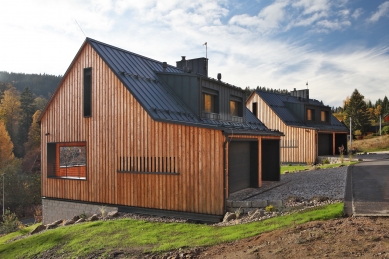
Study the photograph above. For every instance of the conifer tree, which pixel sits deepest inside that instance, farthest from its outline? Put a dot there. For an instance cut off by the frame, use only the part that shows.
(34, 134)
(356, 108)
(27, 109)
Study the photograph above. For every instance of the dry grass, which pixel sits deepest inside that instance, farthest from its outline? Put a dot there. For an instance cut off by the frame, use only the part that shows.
(377, 143)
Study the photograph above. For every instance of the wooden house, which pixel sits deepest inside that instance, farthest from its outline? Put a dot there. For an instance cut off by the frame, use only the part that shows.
(310, 128)
(131, 132)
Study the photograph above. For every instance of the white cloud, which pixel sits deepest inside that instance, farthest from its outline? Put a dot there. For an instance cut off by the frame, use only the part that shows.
(334, 25)
(312, 6)
(267, 19)
(383, 10)
(358, 12)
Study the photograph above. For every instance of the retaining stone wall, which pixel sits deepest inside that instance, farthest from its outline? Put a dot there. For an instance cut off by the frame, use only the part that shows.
(247, 206)
(53, 210)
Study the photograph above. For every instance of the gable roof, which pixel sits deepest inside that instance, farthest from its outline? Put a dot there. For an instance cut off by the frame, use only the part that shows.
(139, 75)
(278, 103)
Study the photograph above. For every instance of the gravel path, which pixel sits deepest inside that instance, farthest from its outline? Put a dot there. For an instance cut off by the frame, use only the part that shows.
(330, 183)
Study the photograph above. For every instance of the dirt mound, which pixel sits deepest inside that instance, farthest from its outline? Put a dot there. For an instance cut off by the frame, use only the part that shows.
(340, 238)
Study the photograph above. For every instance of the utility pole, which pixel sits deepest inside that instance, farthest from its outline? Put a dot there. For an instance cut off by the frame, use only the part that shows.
(380, 125)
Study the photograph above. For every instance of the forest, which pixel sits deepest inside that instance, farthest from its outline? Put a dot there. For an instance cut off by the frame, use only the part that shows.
(22, 98)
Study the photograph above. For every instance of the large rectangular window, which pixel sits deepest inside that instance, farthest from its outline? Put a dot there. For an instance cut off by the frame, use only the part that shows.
(66, 160)
(87, 92)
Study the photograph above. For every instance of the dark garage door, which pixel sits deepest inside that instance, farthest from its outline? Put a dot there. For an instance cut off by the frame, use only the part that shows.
(242, 165)
(270, 160)
(325, 144)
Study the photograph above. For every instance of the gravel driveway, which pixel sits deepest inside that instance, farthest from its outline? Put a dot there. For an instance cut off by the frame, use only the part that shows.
(330, 183)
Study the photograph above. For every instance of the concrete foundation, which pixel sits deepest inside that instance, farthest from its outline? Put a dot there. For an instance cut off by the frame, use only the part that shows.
(53, 209)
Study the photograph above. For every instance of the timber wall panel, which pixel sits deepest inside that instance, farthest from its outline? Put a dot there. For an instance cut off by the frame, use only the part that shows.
(119, 127)
(306, 150)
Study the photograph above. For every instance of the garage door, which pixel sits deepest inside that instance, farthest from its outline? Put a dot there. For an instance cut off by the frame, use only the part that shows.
(238, 165)
(325, 144)
(242, 165)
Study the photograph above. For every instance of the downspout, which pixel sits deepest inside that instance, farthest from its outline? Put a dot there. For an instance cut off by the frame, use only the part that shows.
(225, 171)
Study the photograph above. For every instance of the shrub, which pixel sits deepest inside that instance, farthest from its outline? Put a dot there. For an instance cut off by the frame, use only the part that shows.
(385, 130)
(103, 210)
(10, 222)
(238, 212)
(326, 161)
(83, 215)
(269, 208)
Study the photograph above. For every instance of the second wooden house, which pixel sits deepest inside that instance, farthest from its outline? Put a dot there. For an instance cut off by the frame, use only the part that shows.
(310, 128)
(129, 132)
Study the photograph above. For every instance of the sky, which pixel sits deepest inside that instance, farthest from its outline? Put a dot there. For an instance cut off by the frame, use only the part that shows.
(335, 46)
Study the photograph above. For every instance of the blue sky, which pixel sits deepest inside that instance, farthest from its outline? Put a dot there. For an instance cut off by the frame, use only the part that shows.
(337, 46)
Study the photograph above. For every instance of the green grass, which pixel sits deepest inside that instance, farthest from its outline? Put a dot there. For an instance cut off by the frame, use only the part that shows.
(297, 168)
(83, 239)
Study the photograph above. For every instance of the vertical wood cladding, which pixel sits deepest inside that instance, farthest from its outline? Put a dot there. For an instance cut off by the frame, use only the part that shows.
(298, 144)
(120, 128)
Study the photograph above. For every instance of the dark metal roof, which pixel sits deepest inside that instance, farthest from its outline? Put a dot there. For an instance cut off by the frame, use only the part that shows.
(139, 75)
(278, 103)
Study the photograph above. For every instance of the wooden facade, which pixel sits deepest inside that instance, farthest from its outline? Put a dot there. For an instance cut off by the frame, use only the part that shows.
(300, 144)
(132, 160)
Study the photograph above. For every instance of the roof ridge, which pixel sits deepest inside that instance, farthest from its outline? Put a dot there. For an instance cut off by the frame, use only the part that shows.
(129, 52)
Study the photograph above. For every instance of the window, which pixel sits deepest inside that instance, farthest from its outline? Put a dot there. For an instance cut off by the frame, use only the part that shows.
(209, 103)
(310, 114)
(324, 116)
(66, 160)
(255, 109)
(236, 106)
(87, 92)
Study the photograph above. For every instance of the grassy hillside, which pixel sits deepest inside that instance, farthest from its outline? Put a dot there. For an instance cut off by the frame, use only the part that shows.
(134, 235)
(370, 144)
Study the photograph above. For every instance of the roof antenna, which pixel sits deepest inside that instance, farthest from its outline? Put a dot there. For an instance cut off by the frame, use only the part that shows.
(206, 56)
(307, 84)
(80, 29)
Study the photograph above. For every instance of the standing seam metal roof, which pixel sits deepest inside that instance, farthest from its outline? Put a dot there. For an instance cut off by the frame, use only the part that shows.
(139, 75)
(278, 104)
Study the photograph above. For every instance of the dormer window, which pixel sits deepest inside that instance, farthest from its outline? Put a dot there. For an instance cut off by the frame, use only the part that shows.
(210, 101)
(210, 104)
(236, 106)
(324, 116)
(310, 115)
